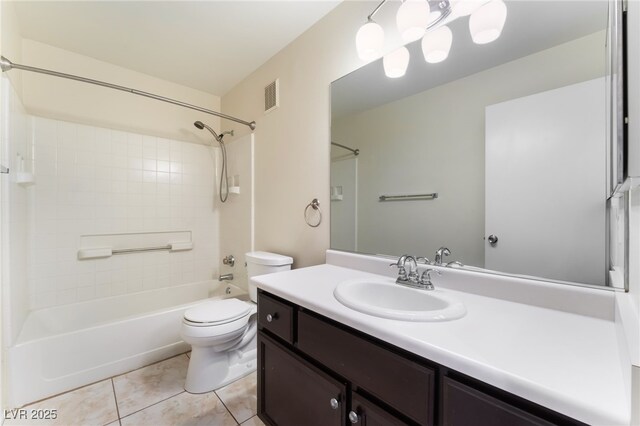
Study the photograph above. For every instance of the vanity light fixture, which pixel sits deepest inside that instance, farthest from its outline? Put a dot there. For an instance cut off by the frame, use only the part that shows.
(370, 41)
(412, 19)
(467, 7)
(486, 23)
(396, 63)
(427, 19)
(436, 44)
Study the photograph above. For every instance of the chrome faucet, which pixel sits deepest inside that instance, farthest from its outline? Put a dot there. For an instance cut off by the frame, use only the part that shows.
(225, 277)
(403, 277)
(425, 279)
(440, 253)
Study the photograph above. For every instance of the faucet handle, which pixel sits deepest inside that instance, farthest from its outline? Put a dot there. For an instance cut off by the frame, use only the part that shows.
(454, 263)
(402, 273)
(425, 278)
(423, 259)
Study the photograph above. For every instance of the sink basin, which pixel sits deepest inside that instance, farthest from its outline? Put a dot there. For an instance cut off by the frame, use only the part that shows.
(386, 299)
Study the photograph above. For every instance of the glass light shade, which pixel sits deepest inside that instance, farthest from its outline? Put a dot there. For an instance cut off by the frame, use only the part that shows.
(412, 19)
(396, 62)
(486, 23)
(370, 41)
(436, 44)
(466, 7)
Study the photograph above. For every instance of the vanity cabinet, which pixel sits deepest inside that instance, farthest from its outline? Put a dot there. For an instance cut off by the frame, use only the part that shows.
(293, 392)
(316, 371)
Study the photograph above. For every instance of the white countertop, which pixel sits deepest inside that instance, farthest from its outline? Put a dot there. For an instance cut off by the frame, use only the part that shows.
(564, 361)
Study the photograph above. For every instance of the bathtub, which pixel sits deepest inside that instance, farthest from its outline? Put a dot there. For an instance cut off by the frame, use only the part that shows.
(66, 347)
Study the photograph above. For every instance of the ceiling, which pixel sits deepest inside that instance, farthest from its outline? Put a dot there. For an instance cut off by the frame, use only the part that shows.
(531, 26)
(206, 45)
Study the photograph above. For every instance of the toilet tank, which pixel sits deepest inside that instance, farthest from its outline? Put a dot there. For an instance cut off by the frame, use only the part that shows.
(261, 263)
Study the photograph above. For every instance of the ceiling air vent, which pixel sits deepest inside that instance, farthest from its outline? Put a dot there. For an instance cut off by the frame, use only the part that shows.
(271, 96)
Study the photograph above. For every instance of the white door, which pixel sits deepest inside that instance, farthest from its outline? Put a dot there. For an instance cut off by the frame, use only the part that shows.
(545, 184)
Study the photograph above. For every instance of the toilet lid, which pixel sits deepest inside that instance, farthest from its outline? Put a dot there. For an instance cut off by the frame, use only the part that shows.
(217, 311)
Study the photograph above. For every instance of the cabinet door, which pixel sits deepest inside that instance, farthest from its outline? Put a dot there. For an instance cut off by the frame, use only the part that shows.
(291, 392)
(404, 385)
(465, 406)
(366, 413)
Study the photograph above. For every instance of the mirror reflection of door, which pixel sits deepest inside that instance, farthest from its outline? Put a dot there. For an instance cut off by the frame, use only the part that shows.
(544, 162)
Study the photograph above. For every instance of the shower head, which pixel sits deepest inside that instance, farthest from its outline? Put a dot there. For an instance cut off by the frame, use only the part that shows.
(224, 179)
(200, 125)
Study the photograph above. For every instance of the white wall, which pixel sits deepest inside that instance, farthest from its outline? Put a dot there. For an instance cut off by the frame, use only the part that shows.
(292, 142)
(91, 180)
(434, 142)
(69, 100)
(236, 214)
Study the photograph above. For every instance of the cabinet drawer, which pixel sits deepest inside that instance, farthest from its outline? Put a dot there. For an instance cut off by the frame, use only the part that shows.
(275, 316)
(293, 392)
(466, 406)
(370, 414)
(405, 385)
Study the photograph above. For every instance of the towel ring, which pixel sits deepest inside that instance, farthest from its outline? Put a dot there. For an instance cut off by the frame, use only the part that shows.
(315, 205)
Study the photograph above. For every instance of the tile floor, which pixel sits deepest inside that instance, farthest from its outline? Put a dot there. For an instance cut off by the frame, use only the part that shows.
(154, 396)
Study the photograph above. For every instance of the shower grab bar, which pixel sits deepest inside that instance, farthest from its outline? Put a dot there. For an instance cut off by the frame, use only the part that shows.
(6, 65)
(96, 253)
(431, 196)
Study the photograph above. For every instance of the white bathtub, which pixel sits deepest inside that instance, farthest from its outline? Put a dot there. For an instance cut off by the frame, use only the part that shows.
(65, 347)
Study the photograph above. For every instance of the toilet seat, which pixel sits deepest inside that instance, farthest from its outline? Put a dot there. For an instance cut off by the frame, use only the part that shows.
(216, 312)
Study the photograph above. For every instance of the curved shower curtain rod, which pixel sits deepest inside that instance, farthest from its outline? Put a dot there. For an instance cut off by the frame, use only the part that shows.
(355, 151)
(7, 65)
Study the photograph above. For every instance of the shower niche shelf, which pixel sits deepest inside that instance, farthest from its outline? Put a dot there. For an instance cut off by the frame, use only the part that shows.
(25, 178)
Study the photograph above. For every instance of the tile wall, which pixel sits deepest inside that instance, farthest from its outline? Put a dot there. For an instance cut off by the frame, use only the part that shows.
(91, 180)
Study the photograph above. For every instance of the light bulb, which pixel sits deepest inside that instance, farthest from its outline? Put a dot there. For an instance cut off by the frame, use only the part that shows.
(396, 62)
(370, 41)
(486, 23)
(412, 19)
(436, 44)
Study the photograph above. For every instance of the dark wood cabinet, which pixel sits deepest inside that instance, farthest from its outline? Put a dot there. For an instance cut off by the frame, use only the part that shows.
(405, 385)
(315, 371)
(465, 406)
(293, 392)
(366, 413)
(276, 316)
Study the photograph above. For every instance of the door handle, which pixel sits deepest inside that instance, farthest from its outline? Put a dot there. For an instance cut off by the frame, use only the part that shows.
(493, 240)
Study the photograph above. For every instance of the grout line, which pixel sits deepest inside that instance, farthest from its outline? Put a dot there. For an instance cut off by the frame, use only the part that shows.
(115, 397)
(225, 406)
(155, 403)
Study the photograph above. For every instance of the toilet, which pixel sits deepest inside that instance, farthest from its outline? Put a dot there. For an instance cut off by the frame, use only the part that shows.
(222, 333)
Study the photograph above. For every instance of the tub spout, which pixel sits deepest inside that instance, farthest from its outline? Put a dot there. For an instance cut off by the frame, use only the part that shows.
(225, 277)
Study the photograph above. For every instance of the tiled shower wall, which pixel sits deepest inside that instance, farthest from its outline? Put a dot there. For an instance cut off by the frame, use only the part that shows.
(91, 180)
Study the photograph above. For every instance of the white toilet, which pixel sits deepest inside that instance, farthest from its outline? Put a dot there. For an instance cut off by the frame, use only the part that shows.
(222, 333)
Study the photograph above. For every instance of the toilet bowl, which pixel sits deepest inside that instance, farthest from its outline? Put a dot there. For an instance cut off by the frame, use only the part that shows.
(222, 333)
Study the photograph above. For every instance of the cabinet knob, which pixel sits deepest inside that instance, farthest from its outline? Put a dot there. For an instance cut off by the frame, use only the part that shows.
(271, 317)
(353, 417)
(334, 403)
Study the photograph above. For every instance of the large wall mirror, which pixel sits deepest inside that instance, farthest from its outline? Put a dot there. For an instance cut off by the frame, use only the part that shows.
(500, 153)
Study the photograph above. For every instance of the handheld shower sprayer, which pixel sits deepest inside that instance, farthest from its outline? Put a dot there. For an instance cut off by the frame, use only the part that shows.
(224, 180)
